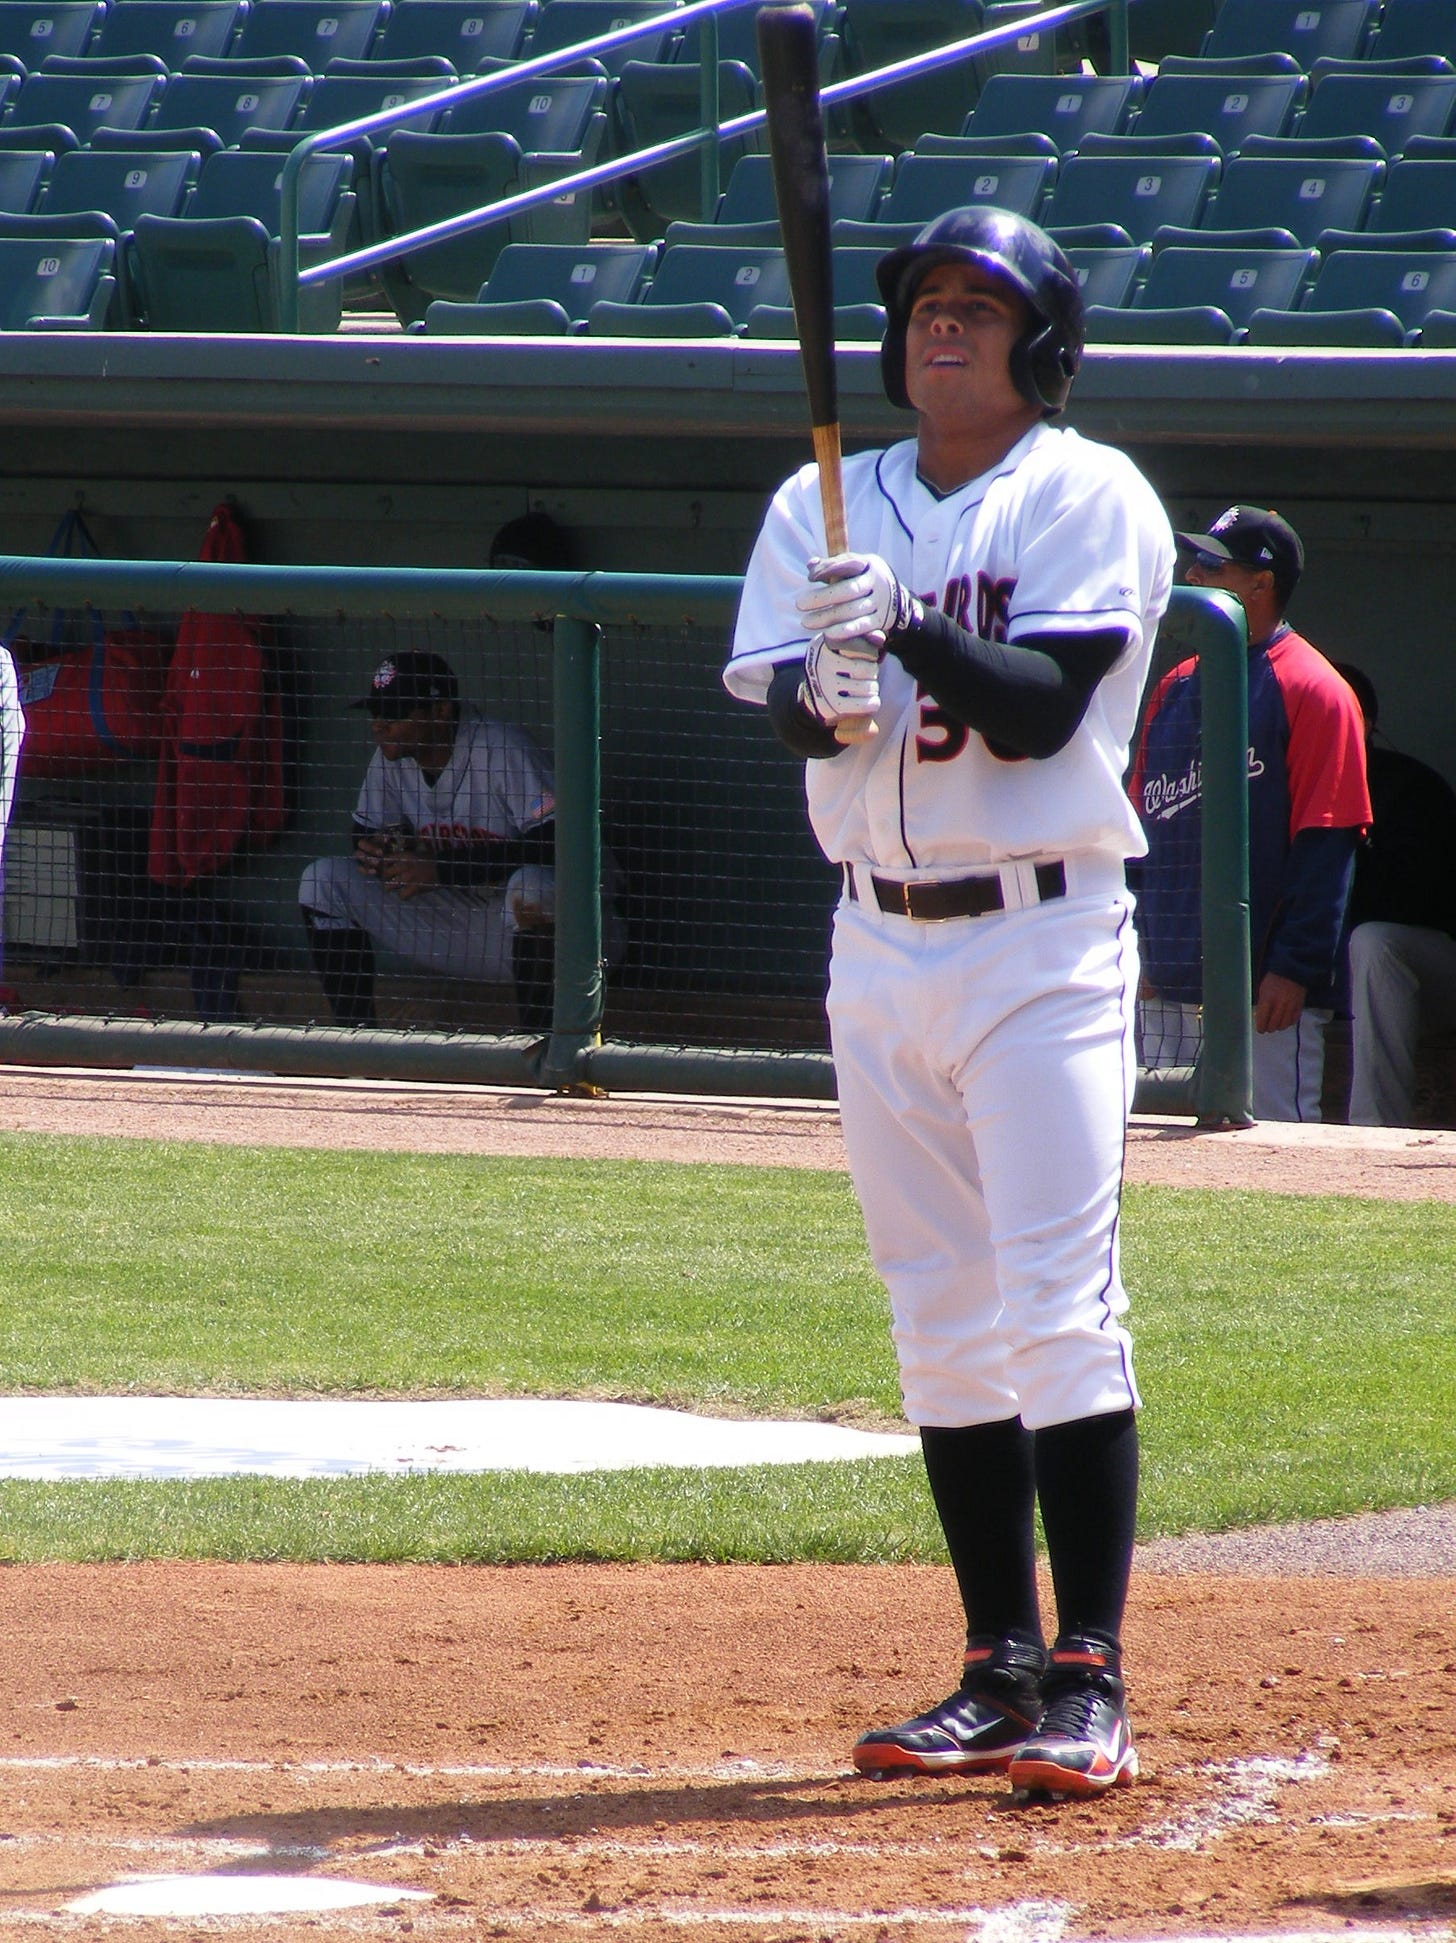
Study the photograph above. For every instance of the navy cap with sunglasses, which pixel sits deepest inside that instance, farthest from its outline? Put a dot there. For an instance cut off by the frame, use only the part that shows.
(1251, 537)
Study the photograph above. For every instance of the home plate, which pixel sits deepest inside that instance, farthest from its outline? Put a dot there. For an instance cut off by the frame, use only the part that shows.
(235, 1896)
(57, 1438)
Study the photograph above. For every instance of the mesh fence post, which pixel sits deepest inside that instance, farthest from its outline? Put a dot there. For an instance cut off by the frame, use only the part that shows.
(1223, 1088)
(579, 985)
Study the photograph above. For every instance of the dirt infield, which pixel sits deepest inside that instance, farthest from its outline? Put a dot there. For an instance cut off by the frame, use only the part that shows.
(653, 1750)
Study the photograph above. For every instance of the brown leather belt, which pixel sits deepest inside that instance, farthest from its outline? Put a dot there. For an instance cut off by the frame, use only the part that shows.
(950, 897)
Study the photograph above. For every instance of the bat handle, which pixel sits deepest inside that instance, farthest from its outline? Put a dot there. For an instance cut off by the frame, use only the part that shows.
(831, 487)
(854, 728)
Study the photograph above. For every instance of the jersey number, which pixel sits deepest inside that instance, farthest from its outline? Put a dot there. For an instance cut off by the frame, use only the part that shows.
(940, 737)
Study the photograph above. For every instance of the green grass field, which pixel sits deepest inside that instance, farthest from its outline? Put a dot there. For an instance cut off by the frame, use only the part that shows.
(1297, 1356)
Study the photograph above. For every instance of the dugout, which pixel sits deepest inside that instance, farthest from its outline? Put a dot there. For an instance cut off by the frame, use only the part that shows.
(399, 451)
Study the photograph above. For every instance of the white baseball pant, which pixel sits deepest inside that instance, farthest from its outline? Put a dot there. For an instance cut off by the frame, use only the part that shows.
(458, 934)
(1402, 982)
(985, 1070)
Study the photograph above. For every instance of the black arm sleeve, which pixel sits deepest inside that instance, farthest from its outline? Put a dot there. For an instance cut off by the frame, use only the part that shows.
(794, 726)
(1026, 700)
(479, 866)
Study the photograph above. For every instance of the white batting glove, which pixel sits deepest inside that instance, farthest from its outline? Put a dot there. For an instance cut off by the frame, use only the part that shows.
(855, 597)
(840, 683)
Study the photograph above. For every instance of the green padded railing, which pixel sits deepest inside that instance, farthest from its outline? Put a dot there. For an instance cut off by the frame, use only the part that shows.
(577, 607)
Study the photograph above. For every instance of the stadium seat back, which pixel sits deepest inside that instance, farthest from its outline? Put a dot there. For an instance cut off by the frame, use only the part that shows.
(466, 32)
(339, 96)
(316, 31)
(170, 29)
(1295, 27)
(229, 104)
(123, 184)
(1237, 282)
(925, 186)
(238, 182)
(31, 29)
(699, 291)
(55, 277)
(1369, 298)
(1391, 108)
(1064, 107)
(1410, 27)
(877, 33)
(656, 101)
(1230, 108)
(857, 185)
(1136, 194)
(1110, 276)
(1417, 195)
(550, 114)
(738, 34)
(1300, 196)
(563, 24)
(23, 174)
(83, 103)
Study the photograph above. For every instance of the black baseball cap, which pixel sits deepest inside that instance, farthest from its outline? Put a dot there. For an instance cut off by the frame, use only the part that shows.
(408, 681)
(1255, 538)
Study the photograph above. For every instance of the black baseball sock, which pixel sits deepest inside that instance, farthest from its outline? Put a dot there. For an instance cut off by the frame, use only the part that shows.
(533, 963)
(1087, 1481)
(344, 963)
(982, 1479)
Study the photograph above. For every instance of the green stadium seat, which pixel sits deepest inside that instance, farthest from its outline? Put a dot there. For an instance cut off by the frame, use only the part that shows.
(1135, 195)
(31, 29)
(1158, 28)
(925, 186)
(748, 213)
(96, 193)
(1227, 107)
(859, 312)
(1109, 276)
(348, 90)
(698, 292)
(83, 103)
(654, 102)
(1389, 108)
(23, 174)
(546, 289)
(56, 283)
(1194, 296)
(206, 141)
(315, 31)
(564, 24)
(1031, 143)
(1063, 107)
(425, 179)
(738, 37)
(557, 114)
(215, 267)
(1298, 197)
(1418, 194)
(170, 29)
(1364, 298)
(1294, 27)
(1438, 331)
(469, 33)
(875, 34)
(230, 103)
(1415, 27)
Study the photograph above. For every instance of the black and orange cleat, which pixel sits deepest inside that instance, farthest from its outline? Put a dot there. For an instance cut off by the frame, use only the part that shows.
(977, 1730)
(1083, 1744)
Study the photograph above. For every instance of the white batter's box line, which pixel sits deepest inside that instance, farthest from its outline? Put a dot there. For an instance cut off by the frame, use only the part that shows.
(649, 1849)
(1248, 1792)
(736, 1770)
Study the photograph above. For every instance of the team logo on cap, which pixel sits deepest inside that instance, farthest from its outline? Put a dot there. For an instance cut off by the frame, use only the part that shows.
(1226, 520)
(384, 674)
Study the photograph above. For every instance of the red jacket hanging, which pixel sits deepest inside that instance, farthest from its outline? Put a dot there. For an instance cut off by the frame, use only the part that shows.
(220, 783)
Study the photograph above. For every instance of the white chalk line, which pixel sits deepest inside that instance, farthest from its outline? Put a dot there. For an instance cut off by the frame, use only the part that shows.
(734, 1770)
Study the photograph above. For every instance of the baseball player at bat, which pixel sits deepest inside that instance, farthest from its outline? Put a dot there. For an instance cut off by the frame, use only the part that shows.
(996, 617)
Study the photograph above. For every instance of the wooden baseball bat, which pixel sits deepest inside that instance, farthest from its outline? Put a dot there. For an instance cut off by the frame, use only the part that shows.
(789, 61)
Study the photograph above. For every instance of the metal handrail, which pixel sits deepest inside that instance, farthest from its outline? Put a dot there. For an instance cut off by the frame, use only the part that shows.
(293, 277)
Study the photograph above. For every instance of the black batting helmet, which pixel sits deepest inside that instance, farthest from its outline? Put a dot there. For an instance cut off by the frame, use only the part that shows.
(1044, 360)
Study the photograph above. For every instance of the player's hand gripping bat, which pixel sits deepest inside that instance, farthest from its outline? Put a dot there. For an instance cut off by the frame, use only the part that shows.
(789, 60)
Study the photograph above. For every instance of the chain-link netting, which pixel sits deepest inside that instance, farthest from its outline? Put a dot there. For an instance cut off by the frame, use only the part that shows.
(183, 844)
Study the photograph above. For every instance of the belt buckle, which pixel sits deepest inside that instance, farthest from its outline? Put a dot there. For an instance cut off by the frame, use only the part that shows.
(906, 901)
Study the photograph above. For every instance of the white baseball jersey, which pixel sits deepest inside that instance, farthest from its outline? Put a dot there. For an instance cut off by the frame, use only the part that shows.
(497, 784)
(1062, 535)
